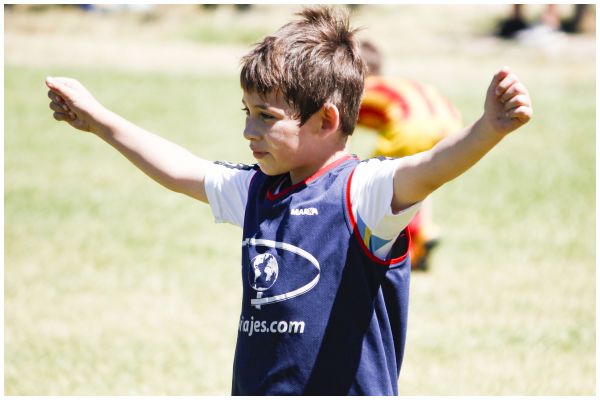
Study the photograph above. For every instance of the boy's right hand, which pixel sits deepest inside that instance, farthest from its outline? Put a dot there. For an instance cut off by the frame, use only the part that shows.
(73, 103)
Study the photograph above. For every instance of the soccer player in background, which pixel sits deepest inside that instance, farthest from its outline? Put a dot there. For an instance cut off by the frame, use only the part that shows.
(409, 117)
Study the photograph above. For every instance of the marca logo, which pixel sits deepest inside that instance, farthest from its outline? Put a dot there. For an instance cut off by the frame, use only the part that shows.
(304, 211)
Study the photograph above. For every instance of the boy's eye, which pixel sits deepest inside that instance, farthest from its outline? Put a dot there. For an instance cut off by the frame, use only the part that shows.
(262, 115)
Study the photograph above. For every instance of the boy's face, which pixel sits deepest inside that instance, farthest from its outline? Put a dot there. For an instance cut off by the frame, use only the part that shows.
(277, 141)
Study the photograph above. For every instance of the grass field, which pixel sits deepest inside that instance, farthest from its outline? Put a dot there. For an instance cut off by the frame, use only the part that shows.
(113, 285)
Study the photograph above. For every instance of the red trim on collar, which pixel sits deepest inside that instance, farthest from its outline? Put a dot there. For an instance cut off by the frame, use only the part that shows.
(322, 171)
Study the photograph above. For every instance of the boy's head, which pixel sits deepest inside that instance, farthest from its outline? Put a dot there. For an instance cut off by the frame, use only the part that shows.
(372, 57)
(310, 62)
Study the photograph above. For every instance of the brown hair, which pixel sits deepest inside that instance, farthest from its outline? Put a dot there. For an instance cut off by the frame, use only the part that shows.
(310, 61)
(372, 57)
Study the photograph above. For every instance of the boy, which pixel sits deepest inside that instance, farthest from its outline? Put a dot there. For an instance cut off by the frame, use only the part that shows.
(408, 117)
(324, 264)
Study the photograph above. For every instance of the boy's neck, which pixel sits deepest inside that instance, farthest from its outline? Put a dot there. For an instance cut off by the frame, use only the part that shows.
(300, 174)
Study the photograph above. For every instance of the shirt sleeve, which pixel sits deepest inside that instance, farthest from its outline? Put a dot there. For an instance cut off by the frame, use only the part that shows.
(227, 187)
(371, 195)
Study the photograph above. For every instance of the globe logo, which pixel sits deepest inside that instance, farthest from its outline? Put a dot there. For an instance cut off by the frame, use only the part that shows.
(264, 272)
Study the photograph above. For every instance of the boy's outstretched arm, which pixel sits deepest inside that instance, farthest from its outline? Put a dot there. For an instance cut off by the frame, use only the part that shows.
(167, 163)
(507, 107)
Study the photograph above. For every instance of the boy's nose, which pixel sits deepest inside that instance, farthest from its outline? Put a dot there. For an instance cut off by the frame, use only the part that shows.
(251, 133)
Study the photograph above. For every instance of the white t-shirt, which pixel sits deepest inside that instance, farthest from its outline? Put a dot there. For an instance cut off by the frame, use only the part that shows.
(370, 194)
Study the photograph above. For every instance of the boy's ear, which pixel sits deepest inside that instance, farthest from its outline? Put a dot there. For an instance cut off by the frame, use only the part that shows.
(330, 117)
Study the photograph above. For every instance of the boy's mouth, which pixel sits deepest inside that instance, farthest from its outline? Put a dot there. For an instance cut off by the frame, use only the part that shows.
(258, 154)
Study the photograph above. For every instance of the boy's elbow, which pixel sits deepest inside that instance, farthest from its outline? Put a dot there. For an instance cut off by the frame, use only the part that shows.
(432, 186)
(193, 188)
(403, 199)
(424, 190)
(416, 177)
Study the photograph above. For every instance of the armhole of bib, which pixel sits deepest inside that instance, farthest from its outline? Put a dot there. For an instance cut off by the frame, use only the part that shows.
(401, 244)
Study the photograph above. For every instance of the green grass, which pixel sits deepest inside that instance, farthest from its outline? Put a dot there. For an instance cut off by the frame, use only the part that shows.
(223, 26)
(114, 285)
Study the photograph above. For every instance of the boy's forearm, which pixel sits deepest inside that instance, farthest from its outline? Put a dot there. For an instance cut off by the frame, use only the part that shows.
(421, 174)
(165, 162)
(455, 154)
(507, 107)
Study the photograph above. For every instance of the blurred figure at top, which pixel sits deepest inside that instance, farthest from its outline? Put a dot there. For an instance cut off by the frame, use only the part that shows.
(409, 117)
(550, 21)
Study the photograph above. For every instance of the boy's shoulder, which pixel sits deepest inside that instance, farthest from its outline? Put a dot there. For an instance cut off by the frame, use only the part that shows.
(237, 166)
(374, 168)
(376, 161)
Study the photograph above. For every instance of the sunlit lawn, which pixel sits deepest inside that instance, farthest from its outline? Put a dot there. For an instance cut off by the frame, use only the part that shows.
(114, 285)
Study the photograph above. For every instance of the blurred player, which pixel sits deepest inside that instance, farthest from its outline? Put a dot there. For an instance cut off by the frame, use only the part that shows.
(409, 117)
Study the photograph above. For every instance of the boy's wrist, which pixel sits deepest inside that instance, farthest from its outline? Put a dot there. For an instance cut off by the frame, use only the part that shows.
(104, 123)
(487, 129)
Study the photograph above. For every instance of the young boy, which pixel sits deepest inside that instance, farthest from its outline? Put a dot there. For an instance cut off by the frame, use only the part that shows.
(324, 264)
(409, 117)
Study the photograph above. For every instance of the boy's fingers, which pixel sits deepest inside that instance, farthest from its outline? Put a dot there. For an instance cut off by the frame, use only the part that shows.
(68, 82)
(516, 101)
(512, 91)
(59, 80)
(57, 107)
(55, 86)
(505, 83)
(501, 73)
(522, 113)
(54, 97)
(498, 76)
(52, 83)
(61, 86)
(62, 108)
(60, 116)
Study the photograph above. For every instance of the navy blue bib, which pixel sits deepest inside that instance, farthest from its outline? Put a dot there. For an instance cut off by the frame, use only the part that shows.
(320, 314)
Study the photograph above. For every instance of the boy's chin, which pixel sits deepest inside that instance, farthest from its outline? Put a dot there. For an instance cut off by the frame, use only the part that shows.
(267, 170)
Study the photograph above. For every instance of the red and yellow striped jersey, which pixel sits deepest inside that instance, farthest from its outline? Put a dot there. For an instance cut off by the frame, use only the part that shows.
(408, 116)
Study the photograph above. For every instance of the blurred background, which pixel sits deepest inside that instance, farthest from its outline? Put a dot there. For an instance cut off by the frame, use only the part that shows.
(115, 286)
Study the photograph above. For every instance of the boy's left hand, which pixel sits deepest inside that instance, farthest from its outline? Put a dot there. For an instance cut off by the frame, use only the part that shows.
(507, 103)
